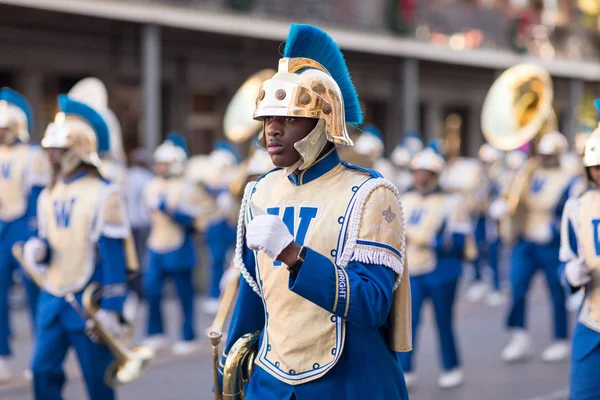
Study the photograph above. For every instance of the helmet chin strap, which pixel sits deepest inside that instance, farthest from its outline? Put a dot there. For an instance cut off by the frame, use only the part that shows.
(309, 148)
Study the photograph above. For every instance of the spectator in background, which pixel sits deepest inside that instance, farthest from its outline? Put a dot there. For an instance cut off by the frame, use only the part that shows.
(138, 176)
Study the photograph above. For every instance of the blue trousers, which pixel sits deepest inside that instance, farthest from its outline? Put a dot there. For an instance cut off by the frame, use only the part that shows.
(442, 296)
(52, 343)
(219, 237)
(488, 248)
(584, 380)
(527, 259)
(7, 266)
(154, 280)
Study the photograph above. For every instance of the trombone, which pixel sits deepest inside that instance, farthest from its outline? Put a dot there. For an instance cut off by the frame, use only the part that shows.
(129, 363)
(517, 110)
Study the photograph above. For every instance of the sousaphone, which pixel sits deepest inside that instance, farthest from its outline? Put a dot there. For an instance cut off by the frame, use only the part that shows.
(518, 110)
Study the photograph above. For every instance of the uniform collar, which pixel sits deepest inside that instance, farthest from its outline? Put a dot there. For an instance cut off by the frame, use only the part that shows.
(323, 165)
(435, 190)
(78, 175)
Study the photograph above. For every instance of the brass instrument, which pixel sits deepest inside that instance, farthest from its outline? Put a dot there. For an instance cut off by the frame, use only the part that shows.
(239, 124)
(129, 363)
(240, 360)
(517, 110)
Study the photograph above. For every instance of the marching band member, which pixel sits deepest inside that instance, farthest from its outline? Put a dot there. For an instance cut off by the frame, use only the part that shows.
(25, 170)
(401, 156)
(580, 252)
(486, 227)
(320, 243)
(437, 225)
(220, 233)
(82, 226)
(92, 92)
(171, 252)
(537, 248)
(464, 176)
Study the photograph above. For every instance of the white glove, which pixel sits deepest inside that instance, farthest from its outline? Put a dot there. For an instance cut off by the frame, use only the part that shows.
(34, 250)
(110, 321)
(498, 208)
(577, 273)
(225, 203)
(267, 233)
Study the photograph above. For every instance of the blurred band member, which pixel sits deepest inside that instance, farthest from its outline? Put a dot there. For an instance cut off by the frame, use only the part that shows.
(437, 226)
(24, 171)
(537, 248)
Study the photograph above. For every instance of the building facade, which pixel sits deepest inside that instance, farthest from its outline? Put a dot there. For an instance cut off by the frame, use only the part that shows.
(175, 64)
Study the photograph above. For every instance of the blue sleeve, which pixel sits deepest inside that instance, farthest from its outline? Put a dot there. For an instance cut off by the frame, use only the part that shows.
(32, 208)
(112, 255)
(562, 265)
(248, 314)
(452, 245)
(185, 220)
(360, 293)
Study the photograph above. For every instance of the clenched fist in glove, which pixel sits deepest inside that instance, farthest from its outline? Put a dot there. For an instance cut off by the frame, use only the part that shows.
(577, 273)
(267, 233)
(34, 252)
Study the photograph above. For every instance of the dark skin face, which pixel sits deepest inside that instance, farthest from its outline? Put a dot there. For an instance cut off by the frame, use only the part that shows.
(281, 133)
(422, 179)
(55, 156)
(550, 161)
(595, 173)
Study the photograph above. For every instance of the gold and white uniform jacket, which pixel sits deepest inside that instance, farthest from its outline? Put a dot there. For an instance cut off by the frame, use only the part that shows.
(580, 239)
(178, 196)
(72, 216)
(22, 166)
(343, 213)
(545, 196)
(433, 218)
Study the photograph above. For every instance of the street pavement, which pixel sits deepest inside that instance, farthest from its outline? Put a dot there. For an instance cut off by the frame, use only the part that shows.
(480, 333)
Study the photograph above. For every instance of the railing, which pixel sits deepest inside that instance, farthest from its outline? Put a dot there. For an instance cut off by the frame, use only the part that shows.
(564, 32)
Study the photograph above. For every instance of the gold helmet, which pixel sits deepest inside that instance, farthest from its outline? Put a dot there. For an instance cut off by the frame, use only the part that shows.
(312, 82)
(80, 130)
(552, 143)
(429, 160)
(15, 116)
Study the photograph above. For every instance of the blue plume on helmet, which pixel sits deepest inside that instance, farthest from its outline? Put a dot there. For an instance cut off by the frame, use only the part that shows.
(371, 129)
(308, 41)
(178, 140)
(437, 146)
(91, 116)
(18, 100)
(597, 104)
(226, 146)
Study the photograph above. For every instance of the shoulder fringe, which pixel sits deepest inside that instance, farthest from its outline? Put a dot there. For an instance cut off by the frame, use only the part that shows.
(238, 260)
(351, 253)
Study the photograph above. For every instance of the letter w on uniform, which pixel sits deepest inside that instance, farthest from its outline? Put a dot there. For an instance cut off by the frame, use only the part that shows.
(5, 169)
(62, 212)
(306, 215)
